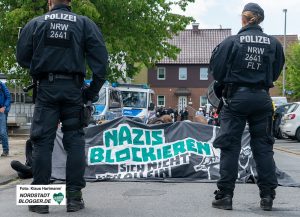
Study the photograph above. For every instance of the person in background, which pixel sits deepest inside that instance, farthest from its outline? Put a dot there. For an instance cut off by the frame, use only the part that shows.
(4, 109)
(185, 114)
(200, 112)
(175, 115)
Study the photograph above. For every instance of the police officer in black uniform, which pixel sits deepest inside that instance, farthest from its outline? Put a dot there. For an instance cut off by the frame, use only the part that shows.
(55, 47)
(247, 64)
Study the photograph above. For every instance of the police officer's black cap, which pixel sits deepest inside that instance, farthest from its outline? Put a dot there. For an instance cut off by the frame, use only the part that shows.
(255, 8)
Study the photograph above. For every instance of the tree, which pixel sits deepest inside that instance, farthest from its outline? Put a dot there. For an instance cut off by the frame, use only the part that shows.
(135, 31)
(292, 71)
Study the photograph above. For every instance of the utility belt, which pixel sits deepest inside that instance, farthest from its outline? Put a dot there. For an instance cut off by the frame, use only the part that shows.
(231, 88)
(51, 77)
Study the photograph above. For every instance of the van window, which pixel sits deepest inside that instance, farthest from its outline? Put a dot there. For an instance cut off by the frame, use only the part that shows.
(115, 100)
(102, 97)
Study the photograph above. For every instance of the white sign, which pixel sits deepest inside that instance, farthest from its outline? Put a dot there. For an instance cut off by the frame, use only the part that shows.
(41, 194)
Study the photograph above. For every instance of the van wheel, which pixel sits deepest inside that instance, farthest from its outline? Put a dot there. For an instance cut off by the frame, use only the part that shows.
(298, 134)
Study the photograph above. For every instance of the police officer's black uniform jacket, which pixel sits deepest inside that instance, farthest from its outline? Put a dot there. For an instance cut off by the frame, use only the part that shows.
(55, 47)
(61, 42)
(248, 63)
(249, 58)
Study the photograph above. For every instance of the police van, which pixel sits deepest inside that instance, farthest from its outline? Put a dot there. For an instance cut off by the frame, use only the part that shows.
(137, 101)
(109, 104)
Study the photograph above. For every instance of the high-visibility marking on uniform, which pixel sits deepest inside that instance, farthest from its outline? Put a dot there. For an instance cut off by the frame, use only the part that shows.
(61, 16)
(254, 39)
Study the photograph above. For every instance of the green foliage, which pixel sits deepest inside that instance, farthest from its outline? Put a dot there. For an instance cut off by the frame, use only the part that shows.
(292, 71)
(135, 31)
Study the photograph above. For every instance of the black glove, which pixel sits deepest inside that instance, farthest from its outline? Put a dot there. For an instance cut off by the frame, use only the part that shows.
(87, 114)
(90, 93)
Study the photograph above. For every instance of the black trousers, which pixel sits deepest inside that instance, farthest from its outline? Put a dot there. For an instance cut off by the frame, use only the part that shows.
(255, 107)
(58, 101)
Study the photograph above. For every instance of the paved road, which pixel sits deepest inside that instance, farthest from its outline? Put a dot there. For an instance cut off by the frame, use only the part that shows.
(109, 199)
(288, 145)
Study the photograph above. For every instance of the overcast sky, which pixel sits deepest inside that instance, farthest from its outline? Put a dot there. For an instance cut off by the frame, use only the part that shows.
(227, 13)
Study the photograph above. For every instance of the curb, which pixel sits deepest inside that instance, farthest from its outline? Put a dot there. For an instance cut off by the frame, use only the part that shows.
(7, 179)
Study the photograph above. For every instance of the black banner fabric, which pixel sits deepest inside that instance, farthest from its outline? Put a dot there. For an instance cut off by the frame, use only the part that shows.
(124, 150)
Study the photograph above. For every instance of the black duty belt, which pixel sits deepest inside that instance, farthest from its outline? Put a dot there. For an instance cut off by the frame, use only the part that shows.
(53, 76)
(259, 89)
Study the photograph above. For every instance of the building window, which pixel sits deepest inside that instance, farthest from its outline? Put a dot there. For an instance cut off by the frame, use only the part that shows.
(204, 74)
(161, 101)
(161, 73)
(203, 100)
(182, 73)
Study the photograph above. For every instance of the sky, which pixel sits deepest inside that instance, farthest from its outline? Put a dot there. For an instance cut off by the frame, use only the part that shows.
(227, 13)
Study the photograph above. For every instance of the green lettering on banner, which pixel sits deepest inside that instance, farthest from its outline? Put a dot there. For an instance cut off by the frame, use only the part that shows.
(148, 154)
(125, 135)
(203, 147)
(96, 155)
(190, 143)
(111, 136)
(167, 152)
(108, 156)
(123, 155)
(159, 155)
(179, 147)
(135, 156)
(137, 139)
(148, 138)
(157, 137)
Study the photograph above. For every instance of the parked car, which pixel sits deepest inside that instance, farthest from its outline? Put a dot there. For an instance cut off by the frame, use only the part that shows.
(290, 123)
(278, 114)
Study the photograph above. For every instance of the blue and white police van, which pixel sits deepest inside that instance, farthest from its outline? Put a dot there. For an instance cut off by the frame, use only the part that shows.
(109, 104)
(137, 101)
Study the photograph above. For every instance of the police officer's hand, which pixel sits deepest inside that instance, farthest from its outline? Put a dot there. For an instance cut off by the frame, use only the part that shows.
(88, 95)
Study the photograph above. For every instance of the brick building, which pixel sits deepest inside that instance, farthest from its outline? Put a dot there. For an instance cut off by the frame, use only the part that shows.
(183, 82)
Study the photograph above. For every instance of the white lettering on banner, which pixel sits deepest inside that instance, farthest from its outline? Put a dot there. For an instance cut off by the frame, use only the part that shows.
(67, 17)
(41, 194)
(255, 39)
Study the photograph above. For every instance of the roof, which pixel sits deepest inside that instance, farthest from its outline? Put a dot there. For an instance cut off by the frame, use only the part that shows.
(196, 45)
(290, 39)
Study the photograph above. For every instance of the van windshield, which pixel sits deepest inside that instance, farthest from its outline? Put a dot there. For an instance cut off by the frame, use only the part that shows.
(134, 99)
(102, 97)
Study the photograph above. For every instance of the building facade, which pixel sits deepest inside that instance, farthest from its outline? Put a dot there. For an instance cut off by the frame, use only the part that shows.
(183, 82)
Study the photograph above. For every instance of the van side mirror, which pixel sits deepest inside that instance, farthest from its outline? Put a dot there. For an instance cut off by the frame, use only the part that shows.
(151, 106)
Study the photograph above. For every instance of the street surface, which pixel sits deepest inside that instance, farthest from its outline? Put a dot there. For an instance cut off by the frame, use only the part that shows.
(128, 199)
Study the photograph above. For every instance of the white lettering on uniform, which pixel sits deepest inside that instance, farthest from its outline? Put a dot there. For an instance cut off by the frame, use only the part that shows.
(254, 39)
(59, 26)
(256, 50)
(67, 17)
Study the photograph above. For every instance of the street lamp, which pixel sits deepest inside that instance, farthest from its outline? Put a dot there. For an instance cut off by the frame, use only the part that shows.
(284, 48)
